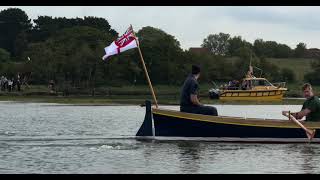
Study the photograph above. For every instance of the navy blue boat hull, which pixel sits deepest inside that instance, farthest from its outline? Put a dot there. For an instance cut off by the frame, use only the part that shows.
(177, 125)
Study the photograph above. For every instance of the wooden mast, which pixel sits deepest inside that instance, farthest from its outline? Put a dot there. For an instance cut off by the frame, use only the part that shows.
(146, 72)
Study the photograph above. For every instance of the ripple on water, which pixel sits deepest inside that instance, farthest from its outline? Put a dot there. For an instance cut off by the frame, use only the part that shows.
(7, 133)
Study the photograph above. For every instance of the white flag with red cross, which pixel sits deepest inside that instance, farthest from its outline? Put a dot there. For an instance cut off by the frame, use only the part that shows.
(125, 42)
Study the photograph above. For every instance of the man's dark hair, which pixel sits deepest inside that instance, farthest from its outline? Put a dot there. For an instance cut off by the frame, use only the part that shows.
(195, 69)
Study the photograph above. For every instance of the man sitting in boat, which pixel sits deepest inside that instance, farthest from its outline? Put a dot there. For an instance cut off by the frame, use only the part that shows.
(246, 85)
(189, 101)
(310, 108)
(233, 85)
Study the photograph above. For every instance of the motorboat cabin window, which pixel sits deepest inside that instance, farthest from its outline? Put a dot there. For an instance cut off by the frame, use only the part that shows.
(261, 82)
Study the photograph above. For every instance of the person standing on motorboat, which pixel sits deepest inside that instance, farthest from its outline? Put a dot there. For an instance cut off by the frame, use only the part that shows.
(189, 101)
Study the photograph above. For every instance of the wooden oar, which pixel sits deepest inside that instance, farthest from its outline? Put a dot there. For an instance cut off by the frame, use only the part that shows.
(310, 133)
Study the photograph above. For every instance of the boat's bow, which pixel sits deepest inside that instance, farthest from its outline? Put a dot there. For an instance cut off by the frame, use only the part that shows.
(146, 128)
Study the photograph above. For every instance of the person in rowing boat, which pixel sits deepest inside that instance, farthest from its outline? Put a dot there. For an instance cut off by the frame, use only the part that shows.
(189, 101)
(310, 108)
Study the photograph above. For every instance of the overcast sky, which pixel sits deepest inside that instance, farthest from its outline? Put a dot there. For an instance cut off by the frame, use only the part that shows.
(191, 24)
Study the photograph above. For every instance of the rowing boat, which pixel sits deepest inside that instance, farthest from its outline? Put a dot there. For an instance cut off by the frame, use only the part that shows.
(164, 124)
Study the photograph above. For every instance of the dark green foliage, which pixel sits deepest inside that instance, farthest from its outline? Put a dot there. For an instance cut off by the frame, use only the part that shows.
(162, 54)
(271, 49)
(4, 55)
(217, 43)
(300, 50)
(242, 65)
(313, 77)
(287, 75)
(270, 71)
(46, 26)
(69, 57)
(235, 44)
(69, 51)
(13, 22)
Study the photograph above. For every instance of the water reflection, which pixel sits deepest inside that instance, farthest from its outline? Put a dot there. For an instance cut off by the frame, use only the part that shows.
(302, 158)
(308, 153)
(189, 157)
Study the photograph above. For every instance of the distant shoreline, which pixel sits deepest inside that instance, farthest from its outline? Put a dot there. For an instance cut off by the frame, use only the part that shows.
(132, 100)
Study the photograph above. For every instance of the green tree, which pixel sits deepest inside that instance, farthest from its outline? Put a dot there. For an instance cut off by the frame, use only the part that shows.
(271, 49)
(20, 45)
(264, 48)
(4, 55)
(46, 26)
(70, 57)
(300, 50)
(283, 51)
(259, 48)
(13, 21)
(287, 75)
(235, 44)
(313, 77)
(217, 43)
(270, 70)
(242, 66)
(161, 52)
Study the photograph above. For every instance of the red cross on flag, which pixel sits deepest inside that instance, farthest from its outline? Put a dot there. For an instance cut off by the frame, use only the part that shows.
(123, 43)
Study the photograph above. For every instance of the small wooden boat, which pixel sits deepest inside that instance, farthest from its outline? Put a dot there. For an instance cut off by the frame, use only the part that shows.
(165, 124)
(250, 88)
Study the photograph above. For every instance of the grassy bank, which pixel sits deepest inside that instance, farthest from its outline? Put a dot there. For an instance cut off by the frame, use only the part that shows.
(300, 66)
(120, 100)
(128, 95)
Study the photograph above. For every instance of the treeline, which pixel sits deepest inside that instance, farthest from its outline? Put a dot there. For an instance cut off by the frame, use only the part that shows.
(225, 45)
(69, 50)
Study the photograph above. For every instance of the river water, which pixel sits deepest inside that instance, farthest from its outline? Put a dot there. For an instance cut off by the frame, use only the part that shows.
(66, 139)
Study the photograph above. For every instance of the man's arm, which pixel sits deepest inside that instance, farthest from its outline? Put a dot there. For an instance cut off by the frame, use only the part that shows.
(194, 94)
(195, 100)
(301, 114)
(298, 115)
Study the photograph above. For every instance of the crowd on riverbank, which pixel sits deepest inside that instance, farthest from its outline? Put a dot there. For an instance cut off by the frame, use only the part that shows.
(10, 84)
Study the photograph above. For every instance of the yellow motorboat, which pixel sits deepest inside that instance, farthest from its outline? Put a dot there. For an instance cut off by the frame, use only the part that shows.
(250, 88)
